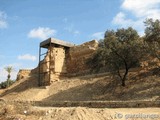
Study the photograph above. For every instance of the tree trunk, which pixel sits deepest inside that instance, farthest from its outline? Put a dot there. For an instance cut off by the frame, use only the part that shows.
(125, 75)
(123, 81)
(9, 76)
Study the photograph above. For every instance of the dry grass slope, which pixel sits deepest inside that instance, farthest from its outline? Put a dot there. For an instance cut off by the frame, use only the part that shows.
(87, 88)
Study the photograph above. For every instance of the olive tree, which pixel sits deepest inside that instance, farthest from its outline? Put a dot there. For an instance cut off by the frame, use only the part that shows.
(120, 51)
(152, 37)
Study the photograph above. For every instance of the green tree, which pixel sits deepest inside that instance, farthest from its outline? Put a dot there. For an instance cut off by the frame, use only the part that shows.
(152, 37)
(125, 51)
(119, 52)
(97, 63)
(9, 69)
(3, 85)
(6, 83)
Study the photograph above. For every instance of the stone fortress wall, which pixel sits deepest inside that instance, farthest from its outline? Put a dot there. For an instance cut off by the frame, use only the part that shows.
(64, 62)
(68, 62)
(57, 64)
(23, 73)
(78, 55)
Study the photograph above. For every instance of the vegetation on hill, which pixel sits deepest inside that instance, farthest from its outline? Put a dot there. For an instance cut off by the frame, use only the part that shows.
(8, 82)
(124, 49)
(152, 37)
(4, 84)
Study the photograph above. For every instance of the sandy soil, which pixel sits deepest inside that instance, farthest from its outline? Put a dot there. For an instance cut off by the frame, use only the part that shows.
(82, 113)
(86, 88)
(1, 91)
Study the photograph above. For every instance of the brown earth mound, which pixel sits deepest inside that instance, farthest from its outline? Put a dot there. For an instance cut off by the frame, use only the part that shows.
(26, 112)
(86, 88)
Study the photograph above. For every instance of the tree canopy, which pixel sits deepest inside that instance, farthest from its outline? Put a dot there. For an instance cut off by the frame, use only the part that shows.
(119, 51)
(152, 37)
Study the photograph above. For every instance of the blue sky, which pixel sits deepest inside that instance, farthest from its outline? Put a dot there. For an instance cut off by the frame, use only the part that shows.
(25, 23)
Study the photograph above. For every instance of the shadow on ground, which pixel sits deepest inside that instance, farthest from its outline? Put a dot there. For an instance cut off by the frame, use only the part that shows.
(109, 89)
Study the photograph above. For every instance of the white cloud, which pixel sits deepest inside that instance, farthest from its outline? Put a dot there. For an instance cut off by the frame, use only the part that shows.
(3, 22)
(143, 8)
(140, 9)
(42, 33)
(97, 35)
(27, 57)
(122, 20)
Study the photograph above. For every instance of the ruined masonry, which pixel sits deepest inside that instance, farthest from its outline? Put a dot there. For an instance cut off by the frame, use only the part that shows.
(62, 59)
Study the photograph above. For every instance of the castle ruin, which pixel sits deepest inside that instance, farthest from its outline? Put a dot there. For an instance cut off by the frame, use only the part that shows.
(62, 59)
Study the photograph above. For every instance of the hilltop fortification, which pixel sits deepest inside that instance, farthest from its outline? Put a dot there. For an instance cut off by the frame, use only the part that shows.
(62, 59)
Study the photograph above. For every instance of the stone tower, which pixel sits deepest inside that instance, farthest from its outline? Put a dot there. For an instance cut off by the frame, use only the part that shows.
(54, 63)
